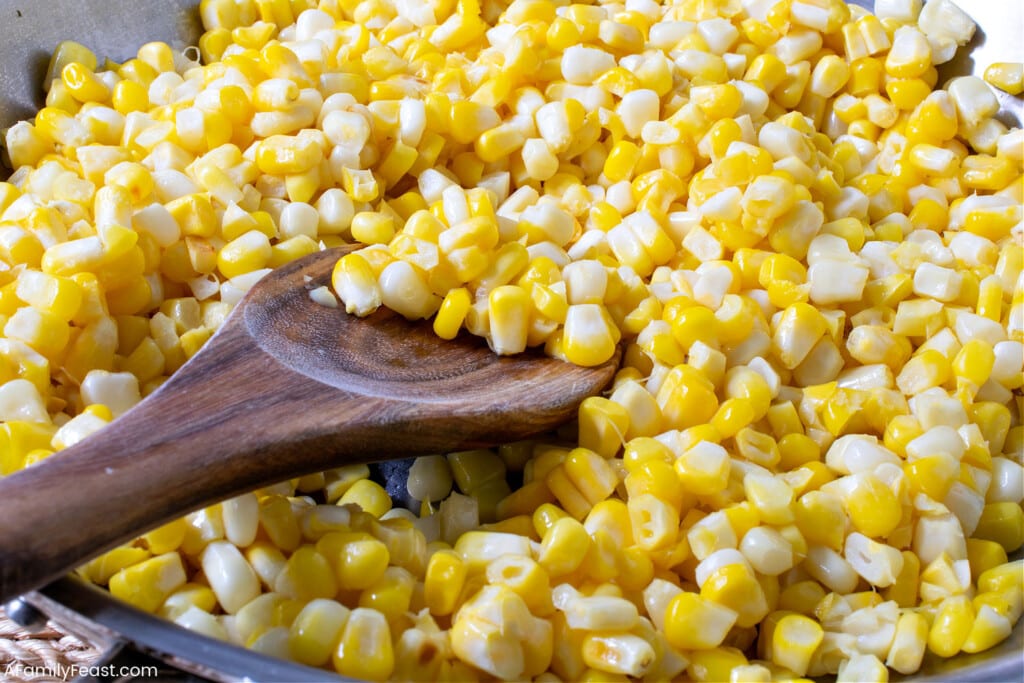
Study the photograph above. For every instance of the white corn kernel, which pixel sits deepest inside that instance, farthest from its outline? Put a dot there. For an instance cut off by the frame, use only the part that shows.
(903, 11)
(20, 401)
(936, 282)
(637, 108)
(972, 96)
(583, 65)
(767, 550)
(232, 578)
(877, 563)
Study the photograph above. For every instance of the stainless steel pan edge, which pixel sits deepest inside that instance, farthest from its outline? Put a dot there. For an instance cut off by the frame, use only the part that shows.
(91, 611)
(30, 29)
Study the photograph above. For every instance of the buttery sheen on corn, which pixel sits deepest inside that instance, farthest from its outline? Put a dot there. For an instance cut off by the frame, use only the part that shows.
(811, 258)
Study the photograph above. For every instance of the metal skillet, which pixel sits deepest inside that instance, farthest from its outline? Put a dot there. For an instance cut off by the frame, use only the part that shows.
(29, 29)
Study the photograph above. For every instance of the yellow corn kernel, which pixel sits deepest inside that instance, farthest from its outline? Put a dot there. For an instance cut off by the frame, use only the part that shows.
(736, 587)
(990, 627)
(909, 644)
(165, 538)
(443, 583)
(452, 314)
(624, 654)
(951, 626)
(932, 474)
(419, 652)
(784, 421)
(604, 425)
(990, 298)
(508, 308)
(655, 522)
(1008, 603)
(315, 630)
(588, 336)
(829, 76)
(499, 142)
(83, 84)
(476, 469)
(291, 249)
(771, 496)
(563, 33)
(695, 623)
(68, 52)
(359, 560)
(59, 97)
(904, 590)
(767, 70)
(984, 555)
(56, 295)
(370, 227)
(1002, 523)
(190, 595)
(801, 597)
(984, 172)
(157, 55)
(974, 362)
(369, 495)
(244, 254)
(686, 398)
(1004, 577)
(137, 71)
(621, 161)
(356, 284)
(18, 438)
(873, 507)
(306, 576)
(100, 569)
(8, 193)
(785, 278)
(147, 584)
(390, 595)
(820, 518)
(655, 475)
(910, 54)
(545, 515)
(591, 474)
(865, 77)
(925, 370)
(644, 416)
(794, 640)
(641, 449)
(796, 450)
(45, 332)
(907, 93)
(733, 415)
(704, 468)
(1007, 76)
(365, 649)
(798, 330)
(570, 498)
(284, 155)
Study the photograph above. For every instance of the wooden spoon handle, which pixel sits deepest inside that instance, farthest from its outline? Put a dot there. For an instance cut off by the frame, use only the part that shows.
(232, 420)
(285, 388)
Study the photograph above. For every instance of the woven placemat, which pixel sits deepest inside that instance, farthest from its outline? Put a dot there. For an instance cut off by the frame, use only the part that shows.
(41, 656)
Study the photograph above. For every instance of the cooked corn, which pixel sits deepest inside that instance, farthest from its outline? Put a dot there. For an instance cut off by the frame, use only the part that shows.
(821, 332)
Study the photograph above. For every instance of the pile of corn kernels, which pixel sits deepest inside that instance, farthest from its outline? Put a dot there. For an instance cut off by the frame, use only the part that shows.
(809, 249)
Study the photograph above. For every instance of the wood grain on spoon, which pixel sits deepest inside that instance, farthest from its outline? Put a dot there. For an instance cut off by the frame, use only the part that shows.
(285, 388)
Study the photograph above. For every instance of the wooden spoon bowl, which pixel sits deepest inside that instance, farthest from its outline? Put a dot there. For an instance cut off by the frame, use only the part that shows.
(286, 387)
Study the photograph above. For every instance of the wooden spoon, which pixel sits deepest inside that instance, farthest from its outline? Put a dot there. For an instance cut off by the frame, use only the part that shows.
(285, 388)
